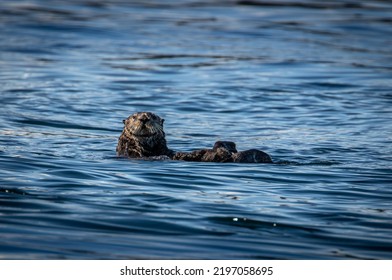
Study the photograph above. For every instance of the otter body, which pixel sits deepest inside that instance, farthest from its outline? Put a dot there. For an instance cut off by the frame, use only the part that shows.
(143, 137)
(252, 156)
(225, 151)
(221, 152)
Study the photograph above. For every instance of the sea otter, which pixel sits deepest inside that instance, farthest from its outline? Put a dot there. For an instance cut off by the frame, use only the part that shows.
(143, 137)
(221, 152)
(225, 151)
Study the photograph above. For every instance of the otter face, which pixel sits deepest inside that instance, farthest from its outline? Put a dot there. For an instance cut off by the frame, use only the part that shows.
(143, 124)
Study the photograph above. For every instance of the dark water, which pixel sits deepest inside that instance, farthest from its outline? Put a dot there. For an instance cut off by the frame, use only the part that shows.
(309, 82)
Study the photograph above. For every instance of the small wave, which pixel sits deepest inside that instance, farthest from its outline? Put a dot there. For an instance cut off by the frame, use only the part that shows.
(315, 162)
(256, 224)
(11, 191)
(59, 124)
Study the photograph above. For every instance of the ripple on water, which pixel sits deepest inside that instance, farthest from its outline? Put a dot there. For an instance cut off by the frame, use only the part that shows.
(309, 83)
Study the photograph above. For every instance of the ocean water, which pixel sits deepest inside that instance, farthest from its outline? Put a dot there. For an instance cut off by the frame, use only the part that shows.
(309, 82)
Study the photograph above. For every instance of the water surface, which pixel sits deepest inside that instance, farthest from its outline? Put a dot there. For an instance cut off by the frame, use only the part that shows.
(309, 82)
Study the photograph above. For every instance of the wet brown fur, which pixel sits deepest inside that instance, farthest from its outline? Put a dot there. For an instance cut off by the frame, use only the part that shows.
(143, 137)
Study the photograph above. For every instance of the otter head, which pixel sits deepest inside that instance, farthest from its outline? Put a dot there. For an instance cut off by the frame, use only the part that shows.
(227, 145)
(143, 124)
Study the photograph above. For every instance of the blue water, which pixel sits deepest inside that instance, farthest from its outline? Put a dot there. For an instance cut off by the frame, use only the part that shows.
(309, 82)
